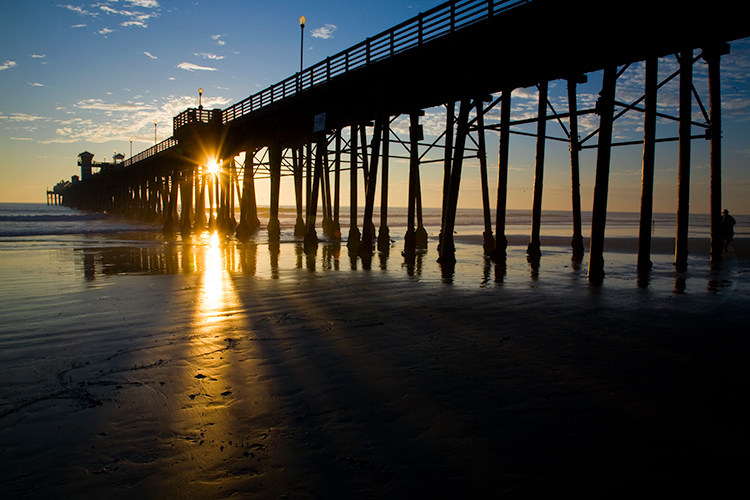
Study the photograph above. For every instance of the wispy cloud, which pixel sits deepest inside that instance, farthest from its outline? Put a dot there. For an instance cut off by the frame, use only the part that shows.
(194, 67)
(36, 84)
(105, 31)
(105, 106)
(218, 40)
(149, 54)
(79, 26)
(207, 55)
(38, 56)
(136, 120)
(149, 4)
(324, 32)
(7, 65)
(78, 10)
(136, 18)
(22, 117)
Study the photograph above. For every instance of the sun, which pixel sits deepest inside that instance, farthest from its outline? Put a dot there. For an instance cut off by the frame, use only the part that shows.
(213, 167)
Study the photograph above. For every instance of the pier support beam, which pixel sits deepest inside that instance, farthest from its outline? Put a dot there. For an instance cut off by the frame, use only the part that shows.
(605, 108)
(336, 230)
(534, 252)
(410, 239)
(186, 201)
(575, 180)
(489, 240)
(311, 237)
(299, 226)
(249, 222)
(354, 234)
(501, 241)
(712, 55)
(200, 222)
(448, 249)
(450, 121)
(368, 228)
(171, 208)
(683, 167)
(384, 238)
(647, 179)
(274, 156)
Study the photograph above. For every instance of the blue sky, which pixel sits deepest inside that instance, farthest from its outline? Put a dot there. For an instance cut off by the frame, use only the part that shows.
(90, 76)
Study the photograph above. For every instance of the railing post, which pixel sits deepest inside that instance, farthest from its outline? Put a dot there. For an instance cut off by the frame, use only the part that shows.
(420, 33)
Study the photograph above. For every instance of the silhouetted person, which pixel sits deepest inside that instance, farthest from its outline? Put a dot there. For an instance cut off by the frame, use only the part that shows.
(727, 229)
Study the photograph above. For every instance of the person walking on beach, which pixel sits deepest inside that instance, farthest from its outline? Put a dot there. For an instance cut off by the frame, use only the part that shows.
(727, 229)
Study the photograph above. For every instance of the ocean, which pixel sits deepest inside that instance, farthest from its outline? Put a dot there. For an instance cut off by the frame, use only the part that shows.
(53, 242)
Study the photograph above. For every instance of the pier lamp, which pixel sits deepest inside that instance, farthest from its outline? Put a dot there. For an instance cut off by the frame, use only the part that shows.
(302, 22)
(154, 132)
(200, 98)
(131, 147)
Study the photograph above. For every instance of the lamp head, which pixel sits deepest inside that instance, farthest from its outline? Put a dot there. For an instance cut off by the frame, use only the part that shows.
(302, 21)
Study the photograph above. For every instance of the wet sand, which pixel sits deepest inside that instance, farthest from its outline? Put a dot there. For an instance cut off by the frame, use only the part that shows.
(225, 377)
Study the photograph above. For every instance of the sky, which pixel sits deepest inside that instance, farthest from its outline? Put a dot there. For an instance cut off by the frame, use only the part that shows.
(92, 76)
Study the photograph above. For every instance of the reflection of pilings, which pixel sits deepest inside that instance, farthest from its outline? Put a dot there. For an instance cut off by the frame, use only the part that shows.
(712, 56)
(649, 154)
(354, 234)
(606, 106)
(534, 251)
(501, 242)
(683, 167)
(489, 241)
(575, 182)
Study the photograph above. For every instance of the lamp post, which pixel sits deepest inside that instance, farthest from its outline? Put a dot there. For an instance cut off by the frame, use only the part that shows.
(154, 132)
(302, 21)
(131, 147)
(200, 98)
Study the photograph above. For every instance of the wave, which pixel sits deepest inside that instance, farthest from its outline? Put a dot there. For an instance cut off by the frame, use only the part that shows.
(52, 218)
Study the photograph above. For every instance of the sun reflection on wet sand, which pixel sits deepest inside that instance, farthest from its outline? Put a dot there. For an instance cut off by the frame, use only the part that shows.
(204, 416)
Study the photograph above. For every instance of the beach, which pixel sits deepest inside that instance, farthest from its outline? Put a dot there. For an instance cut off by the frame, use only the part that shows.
(136, 365)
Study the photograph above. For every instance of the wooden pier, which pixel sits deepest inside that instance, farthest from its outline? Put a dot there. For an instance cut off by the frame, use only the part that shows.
(467, 56)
